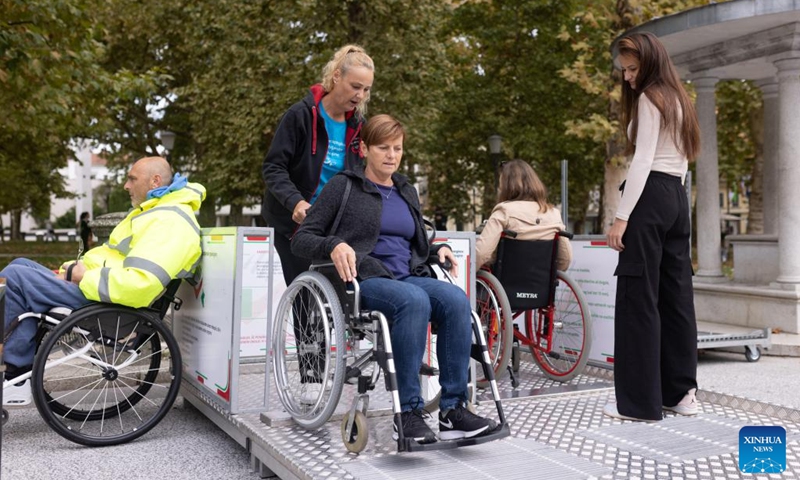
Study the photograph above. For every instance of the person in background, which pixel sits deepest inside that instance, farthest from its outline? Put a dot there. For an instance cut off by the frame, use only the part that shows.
(85, 232)
(523, 209)
(317, 137)
(655, 331)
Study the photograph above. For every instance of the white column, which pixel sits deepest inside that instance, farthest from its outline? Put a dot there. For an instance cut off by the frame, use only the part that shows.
(83, 202)
(769, 93)
(708, 209)
(789, 171)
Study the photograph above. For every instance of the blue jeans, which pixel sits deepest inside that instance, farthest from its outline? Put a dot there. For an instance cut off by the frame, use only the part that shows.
(31, 287)
(409, 304)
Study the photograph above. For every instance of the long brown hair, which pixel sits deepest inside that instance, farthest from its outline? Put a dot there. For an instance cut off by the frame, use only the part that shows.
(658, 78)
(519, 182)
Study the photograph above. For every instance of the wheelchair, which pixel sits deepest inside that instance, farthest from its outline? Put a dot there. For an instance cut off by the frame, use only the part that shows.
(549, 303)
(339, 343)
(104, 374)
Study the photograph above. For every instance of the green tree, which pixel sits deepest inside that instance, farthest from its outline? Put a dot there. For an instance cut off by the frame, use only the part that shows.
(53, 91)
(740, 132)
(506, 55)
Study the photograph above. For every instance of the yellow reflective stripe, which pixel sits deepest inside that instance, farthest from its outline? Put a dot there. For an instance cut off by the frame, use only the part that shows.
(177, 210)
(148, 266)
(102, 287)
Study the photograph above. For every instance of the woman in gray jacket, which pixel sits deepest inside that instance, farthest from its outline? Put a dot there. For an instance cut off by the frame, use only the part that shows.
(381, 241)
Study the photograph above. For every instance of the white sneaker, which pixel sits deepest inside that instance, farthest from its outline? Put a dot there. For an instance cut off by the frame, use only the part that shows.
(611, 411)
(687, 406)
(310, 393)
(17, 395)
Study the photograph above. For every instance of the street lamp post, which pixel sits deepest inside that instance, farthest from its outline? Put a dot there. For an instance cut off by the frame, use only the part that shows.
(168, 141)
(495, 146)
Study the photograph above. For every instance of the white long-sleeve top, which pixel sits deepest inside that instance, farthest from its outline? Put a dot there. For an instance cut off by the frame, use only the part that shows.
(656, 151)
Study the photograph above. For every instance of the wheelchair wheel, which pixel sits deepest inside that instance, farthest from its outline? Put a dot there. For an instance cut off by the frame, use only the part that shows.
(106, 375)
(572, 332)
(494, 311)
(309, 370)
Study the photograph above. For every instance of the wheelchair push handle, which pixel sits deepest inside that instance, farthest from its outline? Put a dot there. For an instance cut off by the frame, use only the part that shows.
(562, 233)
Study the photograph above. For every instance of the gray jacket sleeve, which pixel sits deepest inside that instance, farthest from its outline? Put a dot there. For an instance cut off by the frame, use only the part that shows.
(311, 240)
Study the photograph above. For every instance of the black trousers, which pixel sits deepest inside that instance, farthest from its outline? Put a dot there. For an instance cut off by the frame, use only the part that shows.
(655, 331)
(292, 265)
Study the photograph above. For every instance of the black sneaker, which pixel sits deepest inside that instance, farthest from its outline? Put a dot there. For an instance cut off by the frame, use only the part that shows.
(461, 423)
(414, 427)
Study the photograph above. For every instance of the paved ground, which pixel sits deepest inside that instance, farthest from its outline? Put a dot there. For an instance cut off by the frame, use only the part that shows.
(188, 446)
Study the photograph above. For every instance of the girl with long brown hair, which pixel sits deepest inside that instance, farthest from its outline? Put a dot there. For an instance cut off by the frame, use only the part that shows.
(523, 208)
(655, 332)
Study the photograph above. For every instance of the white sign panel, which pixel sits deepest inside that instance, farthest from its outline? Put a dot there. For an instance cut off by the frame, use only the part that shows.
(204, 324)
(255, 300)
(593, 268)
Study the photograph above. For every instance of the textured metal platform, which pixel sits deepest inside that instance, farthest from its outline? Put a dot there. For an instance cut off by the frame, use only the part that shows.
(558, 433)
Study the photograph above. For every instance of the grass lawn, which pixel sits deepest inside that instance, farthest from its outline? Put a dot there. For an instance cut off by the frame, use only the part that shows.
(49, 254)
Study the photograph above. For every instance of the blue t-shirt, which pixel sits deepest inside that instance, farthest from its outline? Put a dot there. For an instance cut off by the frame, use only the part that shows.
(334, 159)
(397, 229)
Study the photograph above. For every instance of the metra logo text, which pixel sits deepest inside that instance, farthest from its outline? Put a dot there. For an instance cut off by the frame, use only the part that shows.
(527, 295)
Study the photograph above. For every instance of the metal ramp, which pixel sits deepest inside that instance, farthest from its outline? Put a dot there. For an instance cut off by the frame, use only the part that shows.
(558, 431)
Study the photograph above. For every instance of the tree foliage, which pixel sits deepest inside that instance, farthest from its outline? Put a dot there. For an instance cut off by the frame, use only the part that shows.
(506, 54)
(53, 90)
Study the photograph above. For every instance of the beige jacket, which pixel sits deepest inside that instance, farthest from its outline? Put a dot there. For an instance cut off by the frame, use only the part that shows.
(526, 219)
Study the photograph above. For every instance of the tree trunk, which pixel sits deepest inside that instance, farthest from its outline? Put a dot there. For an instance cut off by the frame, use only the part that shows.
(236, 218)
(755, 216)
(16, 219)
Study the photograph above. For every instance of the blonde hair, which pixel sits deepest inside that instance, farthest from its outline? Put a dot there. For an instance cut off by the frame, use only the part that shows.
(343, 60)
(518, 182)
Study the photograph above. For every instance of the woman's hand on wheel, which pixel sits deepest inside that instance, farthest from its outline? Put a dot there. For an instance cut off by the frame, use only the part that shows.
(344, 258)
(446, 255)
(614, 236)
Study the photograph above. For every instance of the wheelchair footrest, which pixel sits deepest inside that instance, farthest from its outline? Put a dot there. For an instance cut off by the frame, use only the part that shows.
(501, 431)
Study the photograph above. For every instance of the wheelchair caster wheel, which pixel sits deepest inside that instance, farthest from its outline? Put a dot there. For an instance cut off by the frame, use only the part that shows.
(5, 416)
(359, 435)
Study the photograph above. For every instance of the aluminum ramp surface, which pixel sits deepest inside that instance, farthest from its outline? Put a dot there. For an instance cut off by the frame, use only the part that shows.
(558, 433)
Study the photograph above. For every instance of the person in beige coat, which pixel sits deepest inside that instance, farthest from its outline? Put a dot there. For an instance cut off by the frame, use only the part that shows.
(522, 208)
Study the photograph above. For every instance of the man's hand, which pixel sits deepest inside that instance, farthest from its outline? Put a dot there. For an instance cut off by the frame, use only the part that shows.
(614, 236)
(77, 272)
(299, 213)
(446, 254)
(344, 257)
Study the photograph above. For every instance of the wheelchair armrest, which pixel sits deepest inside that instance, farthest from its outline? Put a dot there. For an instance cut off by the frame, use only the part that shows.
(319, 265)
(564, 233)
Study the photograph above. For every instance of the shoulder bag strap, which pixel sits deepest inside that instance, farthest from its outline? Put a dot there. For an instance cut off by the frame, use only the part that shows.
(341, 206)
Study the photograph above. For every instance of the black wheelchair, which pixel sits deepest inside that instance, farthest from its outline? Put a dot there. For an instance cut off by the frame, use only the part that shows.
(104, 374)
(525, 284)
(320, 330)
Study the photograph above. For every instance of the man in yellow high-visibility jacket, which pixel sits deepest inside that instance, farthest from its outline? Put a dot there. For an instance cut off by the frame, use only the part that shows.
(158, 241)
